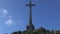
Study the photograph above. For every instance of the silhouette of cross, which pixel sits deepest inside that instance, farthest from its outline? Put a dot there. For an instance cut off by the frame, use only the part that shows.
(30, 9)
(30, 25)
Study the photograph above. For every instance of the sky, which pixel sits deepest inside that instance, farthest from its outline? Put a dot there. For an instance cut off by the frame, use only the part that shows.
(14, 15)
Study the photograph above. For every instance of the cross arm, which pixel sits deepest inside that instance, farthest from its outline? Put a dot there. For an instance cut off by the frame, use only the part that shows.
(30, 4)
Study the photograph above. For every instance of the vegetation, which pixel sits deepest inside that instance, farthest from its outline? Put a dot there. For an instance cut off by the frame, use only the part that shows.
(38, 31)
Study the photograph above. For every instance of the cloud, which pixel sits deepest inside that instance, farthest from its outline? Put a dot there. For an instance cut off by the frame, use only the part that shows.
(4, 15)
(5, 11)
(9, 22)
(8, 19)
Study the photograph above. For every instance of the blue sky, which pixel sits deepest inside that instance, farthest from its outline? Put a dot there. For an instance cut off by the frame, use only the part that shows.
(14, 15)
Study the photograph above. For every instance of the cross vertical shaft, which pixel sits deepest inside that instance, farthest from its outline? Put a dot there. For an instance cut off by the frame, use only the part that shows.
(30, 7)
